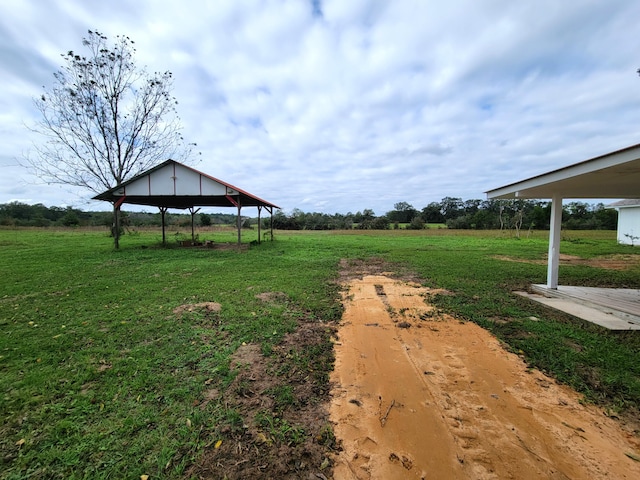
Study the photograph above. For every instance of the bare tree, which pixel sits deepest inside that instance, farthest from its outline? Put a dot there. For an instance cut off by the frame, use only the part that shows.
(518, 218)
(105, 120)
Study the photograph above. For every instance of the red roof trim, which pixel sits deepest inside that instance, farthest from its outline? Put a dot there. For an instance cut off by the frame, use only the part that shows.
(107, 195)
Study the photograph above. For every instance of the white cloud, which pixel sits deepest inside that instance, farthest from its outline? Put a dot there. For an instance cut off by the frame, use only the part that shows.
(366, 105)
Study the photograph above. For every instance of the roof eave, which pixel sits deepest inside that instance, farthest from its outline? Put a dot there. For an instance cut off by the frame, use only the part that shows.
(566, 181)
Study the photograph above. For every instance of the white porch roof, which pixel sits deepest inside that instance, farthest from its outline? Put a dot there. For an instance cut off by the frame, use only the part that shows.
(614, 175)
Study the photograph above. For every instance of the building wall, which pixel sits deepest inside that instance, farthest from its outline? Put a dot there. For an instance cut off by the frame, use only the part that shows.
(629, 225)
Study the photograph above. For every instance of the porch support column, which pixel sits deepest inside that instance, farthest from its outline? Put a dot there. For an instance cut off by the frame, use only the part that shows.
(553, 260)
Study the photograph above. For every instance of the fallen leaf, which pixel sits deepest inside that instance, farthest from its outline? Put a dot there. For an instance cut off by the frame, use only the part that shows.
(20, 442)
(218, 443)
(144, 477)
(188, 423)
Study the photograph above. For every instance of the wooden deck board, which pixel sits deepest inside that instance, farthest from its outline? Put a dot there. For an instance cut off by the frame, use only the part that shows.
(625, 300)
(613, 308)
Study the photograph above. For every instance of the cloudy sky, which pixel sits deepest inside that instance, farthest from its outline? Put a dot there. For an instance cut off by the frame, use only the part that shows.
(343, 105)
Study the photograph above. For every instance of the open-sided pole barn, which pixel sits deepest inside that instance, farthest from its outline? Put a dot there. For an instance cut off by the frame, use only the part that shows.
(175, 185)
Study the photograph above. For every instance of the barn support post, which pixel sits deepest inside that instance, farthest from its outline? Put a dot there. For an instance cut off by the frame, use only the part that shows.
(259, 210)
(239, 224)
(553, 257)
(271, 222)
(193, 231)
(163, 210)
(236, 202)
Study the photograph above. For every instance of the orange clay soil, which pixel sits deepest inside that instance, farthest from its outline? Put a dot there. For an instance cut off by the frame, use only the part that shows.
(420, 395)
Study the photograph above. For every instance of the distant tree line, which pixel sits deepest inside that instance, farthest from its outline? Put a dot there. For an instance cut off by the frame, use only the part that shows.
(450, 212)
(455, 213)
(23, 215)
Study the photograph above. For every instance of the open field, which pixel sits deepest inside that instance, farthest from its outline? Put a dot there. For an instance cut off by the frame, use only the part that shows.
(184, 362)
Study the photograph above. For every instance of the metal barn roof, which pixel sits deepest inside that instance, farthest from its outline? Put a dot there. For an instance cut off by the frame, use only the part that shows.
(175, 185)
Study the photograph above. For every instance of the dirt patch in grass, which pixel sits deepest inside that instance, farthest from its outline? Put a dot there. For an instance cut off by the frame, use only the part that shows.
(353, 268)
(207, 307)
(225, 246)
(272, 297)
(278, 424)
(442, 398)
(609, 262)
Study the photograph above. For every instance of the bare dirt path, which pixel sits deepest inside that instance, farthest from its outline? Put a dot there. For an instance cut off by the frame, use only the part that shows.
(418, 395)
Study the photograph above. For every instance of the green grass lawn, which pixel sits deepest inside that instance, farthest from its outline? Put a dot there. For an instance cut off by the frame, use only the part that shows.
(99, 378)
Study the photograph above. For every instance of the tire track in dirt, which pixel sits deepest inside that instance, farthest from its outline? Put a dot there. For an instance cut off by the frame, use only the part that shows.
(418, 395)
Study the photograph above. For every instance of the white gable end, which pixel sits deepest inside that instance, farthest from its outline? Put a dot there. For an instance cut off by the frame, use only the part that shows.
(174, 179)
